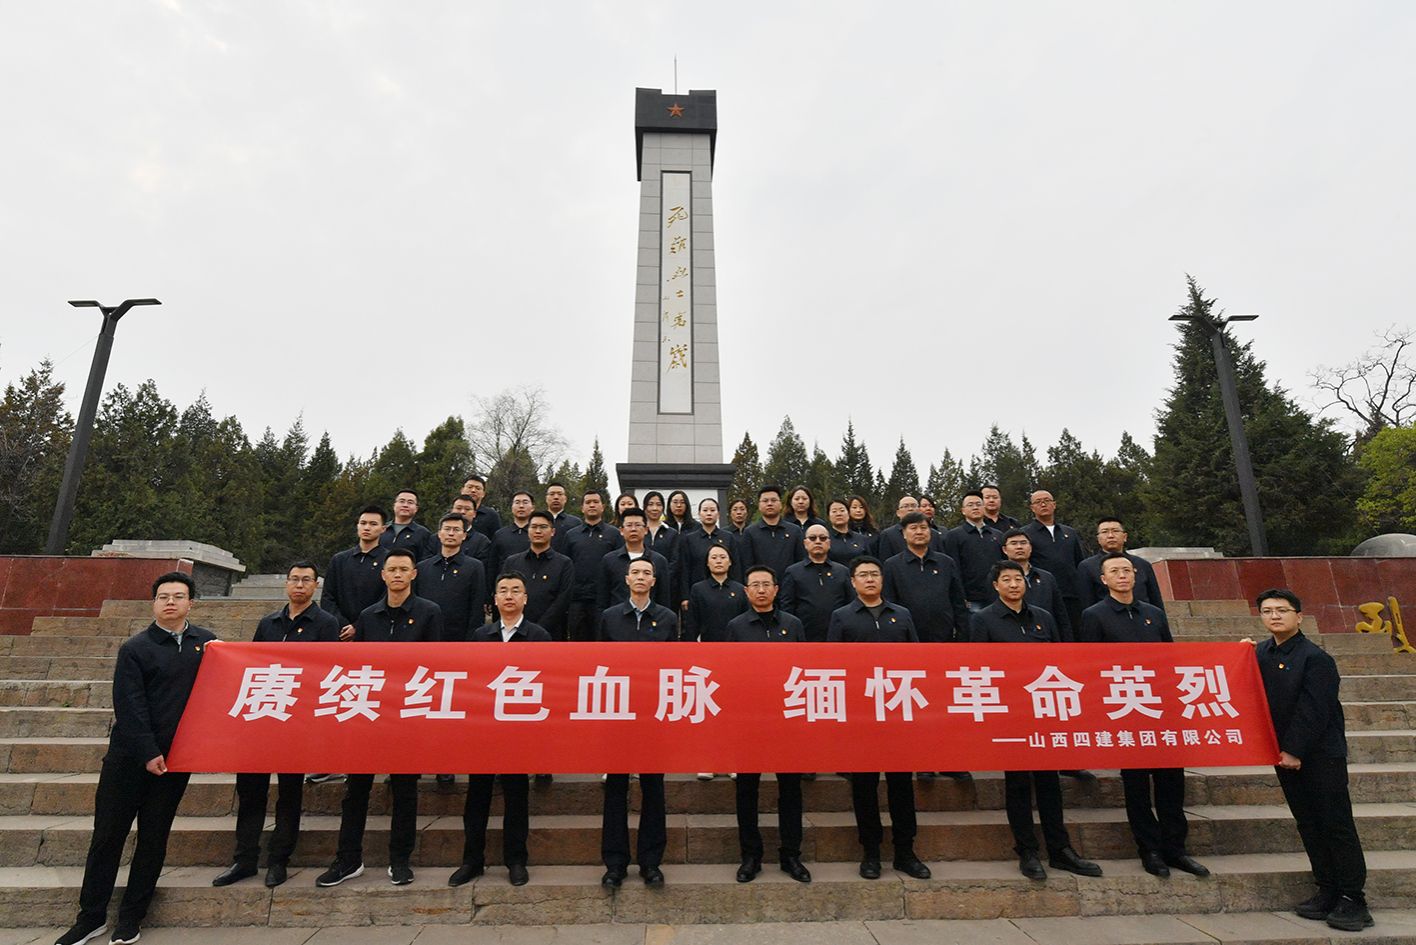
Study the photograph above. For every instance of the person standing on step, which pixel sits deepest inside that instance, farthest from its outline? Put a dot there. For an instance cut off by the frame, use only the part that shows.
(764, 623)
(1301, 682)
(1011, 619)
(511, 626)
(299, 621)
(403, 531)
(1158, 825)
(152, 680)
(550, 575)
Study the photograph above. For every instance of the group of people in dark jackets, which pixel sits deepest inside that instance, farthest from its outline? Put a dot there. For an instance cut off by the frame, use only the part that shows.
(660, 575)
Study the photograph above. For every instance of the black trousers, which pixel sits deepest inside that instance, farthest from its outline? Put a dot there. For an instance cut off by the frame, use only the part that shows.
(899, 791)
(516, 821)
(1317, 796)
(252, 791)
(126, 791)
(1074, 614)
(1019, 787)
(788, 814)
(614, 828)
(1161, 829)
(354, 813)
(580, 620)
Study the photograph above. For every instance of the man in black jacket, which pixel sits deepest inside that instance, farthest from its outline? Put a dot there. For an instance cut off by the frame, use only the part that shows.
(764, 623)
(1057, 549)
(152, 680)
(400, 617)
(403, 531)
(1111, 538)
(453, 580)
(299, 621)
(511, 626)
(813, 589)
(587, 543)
(637, 620)
(975, 548)
(354, 579)
(870, 618)
(550, 577)
(927, 583)
(1301, 682)
(1010, 619)
(771, 540)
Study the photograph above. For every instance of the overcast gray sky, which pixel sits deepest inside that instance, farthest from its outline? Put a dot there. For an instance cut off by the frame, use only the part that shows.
(369, 213)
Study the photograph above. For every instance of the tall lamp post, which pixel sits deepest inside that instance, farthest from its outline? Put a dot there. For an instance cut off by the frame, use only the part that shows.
(83, 430)
(1229, 392)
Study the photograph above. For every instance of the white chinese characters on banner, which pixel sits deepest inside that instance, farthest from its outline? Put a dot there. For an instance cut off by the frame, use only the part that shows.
(267, 692)
(347, 694)
(419, 701)
(602, 696)
(686, 695)
(818, 695)
(518, 687)
(894, 691)
(676, 293)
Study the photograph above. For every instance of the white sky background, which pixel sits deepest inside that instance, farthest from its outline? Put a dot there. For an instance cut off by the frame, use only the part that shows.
(908, 198)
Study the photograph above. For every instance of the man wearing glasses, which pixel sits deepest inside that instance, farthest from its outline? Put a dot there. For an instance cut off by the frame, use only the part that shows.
(299, 621)
(814, 589)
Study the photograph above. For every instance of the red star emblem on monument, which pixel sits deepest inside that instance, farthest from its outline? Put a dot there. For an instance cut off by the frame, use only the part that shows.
(675, 110)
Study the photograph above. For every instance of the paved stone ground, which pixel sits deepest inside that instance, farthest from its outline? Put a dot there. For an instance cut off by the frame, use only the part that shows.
(1243, 928)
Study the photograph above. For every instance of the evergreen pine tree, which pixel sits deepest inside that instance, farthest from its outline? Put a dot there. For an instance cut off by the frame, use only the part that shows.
(595, 478)
(442, 467)
(947, 483)
(904, 477)
(748, 477)
(787, 464)
(35, 431)
(853, 469)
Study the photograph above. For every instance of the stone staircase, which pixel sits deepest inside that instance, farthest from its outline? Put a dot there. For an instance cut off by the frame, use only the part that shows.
(55, 699)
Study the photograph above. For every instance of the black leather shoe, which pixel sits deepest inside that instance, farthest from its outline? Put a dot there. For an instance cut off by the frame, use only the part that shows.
(1318, 907)
(911, 866)
(275, 875)
(749, 869)
(1154, 865)
(1030, 866)
(1066, 859)
(652, 876)
(869, 869)
(446, 779)
(1082, 775)
(517, 874)
(1187, 864)
(963, 776)
(465, 874)
(796, 869)
(613, 877)
(1349, 915)
(233, 874)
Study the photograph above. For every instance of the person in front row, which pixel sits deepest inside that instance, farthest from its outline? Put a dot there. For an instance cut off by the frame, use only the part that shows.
(152, 680)
(1010, 619)
(639, 619)
(401, 617)
(1301, 682)
(299, 621)
(764, 623)
(511, 626)
(872, 619)
(1159, 827)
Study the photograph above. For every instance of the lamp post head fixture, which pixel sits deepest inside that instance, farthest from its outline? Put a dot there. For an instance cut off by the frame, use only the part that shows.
(1215, 322)
(114, 312)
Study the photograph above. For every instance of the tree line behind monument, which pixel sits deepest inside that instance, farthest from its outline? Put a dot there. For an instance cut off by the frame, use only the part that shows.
(189, 474)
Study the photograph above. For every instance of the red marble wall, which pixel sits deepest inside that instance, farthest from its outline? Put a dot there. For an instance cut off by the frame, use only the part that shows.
(52, 586)
(1331, 588)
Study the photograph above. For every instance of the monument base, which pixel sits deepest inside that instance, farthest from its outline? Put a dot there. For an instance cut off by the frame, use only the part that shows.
(699, 480)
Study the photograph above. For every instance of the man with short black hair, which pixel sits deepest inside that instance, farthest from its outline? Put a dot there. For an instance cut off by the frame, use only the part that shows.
(1160, 829)
(513, 539)
(765, 623)
(1111, 538)
(1010, 619)
(476, 545)
(1301, 682)
(299, 621)
(770, 540)
(488, 521)
(927, 583)
(891, 541)
(152, 680)
(1042, 587)
(813, 589)
(975, 548)
(587, 544)
(561, 520)
(993, 515)
(511, 626)
(454, 581)
(401, 617)
(403, 531)
(550, 577)
(354, 579)
(638, 620)
(610, 587)
(870, 618)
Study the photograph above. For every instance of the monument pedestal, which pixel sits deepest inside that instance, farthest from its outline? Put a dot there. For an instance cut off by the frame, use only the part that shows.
(699, 480)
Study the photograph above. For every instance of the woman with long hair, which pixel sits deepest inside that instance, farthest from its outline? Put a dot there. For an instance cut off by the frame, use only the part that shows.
(738, 516)
(864, 522)
(801, 508)
(625, 500)
(680, 517)
(846, 544)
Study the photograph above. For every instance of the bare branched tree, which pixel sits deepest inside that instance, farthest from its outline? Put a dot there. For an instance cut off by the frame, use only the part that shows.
(512, 438)
(1378, 389)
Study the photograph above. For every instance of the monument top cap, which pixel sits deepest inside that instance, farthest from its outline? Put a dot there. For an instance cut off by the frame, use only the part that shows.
(693, 113)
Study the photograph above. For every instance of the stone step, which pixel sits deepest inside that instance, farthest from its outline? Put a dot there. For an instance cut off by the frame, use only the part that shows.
(46, 692)
(1239, 626)
(1338, 644)
(213, 795)
(1207, 608)
(203, 609)
(829, 836)
(71, 628)
(701, 894)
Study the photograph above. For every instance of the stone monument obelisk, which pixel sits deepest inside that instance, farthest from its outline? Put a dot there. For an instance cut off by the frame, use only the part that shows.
(675, 413)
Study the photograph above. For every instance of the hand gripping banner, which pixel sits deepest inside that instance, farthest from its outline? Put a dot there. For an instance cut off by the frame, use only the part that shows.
(629, 707)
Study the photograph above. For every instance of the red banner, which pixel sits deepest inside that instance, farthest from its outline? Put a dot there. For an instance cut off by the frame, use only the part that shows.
(589, 707)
